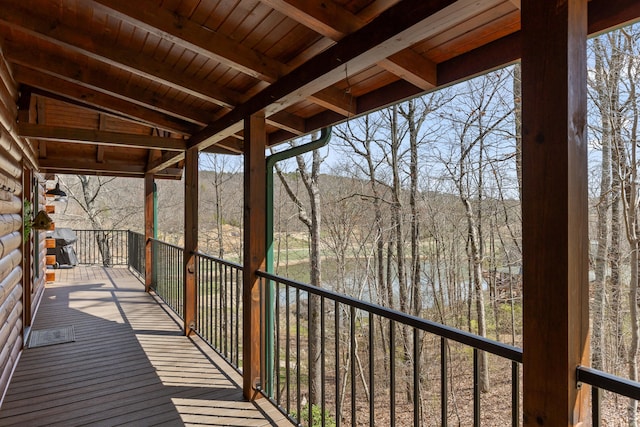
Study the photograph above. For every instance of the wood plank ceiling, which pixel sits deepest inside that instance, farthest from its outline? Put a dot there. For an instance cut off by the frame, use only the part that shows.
(123, 87)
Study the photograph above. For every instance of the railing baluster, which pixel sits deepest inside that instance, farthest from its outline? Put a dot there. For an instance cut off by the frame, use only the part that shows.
(392, 373)
(336, 333)
(352, 334)
(596, 401)
(515, 394)
(416, 378)
(323, 407)
(444, 383)
(372, 376)
(298, 379)
(476, 388)
(288, 350)
(276, 340)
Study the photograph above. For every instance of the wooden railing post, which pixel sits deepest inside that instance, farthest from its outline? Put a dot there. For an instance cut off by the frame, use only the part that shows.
(554, 205)
(148, 231)
(254, 247)
(190, 239)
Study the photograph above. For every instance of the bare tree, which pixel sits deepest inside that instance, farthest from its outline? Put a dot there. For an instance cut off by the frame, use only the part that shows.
(312, 220)
(105, 205)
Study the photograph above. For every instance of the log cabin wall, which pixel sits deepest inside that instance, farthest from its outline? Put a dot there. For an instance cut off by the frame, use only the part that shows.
(16, 157)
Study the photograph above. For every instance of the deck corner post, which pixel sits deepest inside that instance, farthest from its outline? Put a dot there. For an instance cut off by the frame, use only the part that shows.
(255, 137)
(554, 211)
(149, 230)
(190, 240)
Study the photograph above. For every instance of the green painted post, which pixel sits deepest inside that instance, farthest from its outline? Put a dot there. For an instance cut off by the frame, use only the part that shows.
(325, 136)
(155, 210)
(154, 258)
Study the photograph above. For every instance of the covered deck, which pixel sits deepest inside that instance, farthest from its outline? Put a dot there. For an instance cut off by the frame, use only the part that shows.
(130, 363)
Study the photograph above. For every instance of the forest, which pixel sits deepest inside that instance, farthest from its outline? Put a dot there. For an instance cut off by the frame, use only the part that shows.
(417, 207)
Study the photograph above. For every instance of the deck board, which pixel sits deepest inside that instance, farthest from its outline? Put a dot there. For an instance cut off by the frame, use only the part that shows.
(130, 364)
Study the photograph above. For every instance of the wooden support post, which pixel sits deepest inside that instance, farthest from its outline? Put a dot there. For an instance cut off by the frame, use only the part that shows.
(148, 231)
(190, 239)
(255, 137)
(554, 205)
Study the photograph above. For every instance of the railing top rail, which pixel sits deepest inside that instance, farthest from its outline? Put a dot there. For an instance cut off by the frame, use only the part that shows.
(606, 381)
(171, 245)
(104, 230)
(218, 260)
(481, 343)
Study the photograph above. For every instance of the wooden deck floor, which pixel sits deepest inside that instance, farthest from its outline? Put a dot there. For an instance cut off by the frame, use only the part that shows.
(129, 364)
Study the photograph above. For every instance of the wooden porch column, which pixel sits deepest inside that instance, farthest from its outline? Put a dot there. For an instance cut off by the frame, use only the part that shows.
(554, 205)
(190, 239)
(255, 137)
(148, 231)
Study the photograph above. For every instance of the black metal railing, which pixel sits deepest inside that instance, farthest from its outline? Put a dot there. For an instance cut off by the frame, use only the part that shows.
(370, 362)
(136, 253)
(364, 355)
(601, 381)
(219, 313)
(168, 274)
(103, 247)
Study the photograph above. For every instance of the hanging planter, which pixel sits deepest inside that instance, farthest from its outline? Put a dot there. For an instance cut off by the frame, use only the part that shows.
(27, 220)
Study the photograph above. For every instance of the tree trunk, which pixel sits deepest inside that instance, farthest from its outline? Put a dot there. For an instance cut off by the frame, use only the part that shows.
(598, 342)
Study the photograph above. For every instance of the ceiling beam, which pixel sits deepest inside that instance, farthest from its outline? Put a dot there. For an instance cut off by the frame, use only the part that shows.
(82, 73)
(335, 22)
(142, 65)
(602, 16)
(159, 21)
(83, 165)
(325, 17)
(20, 16)
(336, 100)
(167, 160)
(98, 137)
(287, 121)
(478, 61)
(396, 29)
(171, 173)
(412, 67)
(62, 90)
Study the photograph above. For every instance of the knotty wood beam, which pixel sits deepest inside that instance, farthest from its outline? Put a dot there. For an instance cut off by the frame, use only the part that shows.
(394, 30)
(554, 211)
(98, 137)
(190, 240)
(148, 231)
(83, 165)
(20, 16)
(254, 249)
